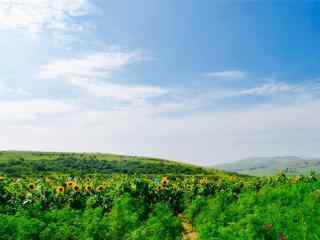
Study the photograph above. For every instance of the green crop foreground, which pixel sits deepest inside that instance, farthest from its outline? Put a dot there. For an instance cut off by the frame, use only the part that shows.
(53, 204)
(99, 207)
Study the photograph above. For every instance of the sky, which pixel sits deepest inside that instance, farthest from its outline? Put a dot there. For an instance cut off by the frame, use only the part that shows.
(204, 82)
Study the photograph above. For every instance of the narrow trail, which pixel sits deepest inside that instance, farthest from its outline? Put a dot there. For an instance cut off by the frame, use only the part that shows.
(188, 231)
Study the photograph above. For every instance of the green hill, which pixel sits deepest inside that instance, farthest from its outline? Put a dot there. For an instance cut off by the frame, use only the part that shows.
(262, 166)
(17, 163)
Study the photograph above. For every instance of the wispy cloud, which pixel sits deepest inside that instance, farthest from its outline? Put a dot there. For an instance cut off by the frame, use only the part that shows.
(38, 15)
(94, 74)
(96, 65)
(269, 89)
(228, 74)
(124, 92)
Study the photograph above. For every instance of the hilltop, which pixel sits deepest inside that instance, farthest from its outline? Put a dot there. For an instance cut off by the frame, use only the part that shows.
(262, 166)
(28, 163)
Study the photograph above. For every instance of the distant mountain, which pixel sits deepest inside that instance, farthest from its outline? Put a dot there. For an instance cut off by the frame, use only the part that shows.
(261, 166)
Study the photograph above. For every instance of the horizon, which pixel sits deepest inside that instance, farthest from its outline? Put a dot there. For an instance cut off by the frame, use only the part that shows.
(205, 83)
(160, 158)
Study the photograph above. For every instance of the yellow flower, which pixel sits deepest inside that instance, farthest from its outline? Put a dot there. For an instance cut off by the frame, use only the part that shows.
(204, 181)
(1, 178)
(233, 178)
(71, 184)
(60, 189)
(88, 188)
(76, 188)
(164, 181)
(296, 179)
(100, 188)
(31, 186)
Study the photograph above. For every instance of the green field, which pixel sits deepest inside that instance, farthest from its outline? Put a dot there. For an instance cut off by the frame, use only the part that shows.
(101, 196)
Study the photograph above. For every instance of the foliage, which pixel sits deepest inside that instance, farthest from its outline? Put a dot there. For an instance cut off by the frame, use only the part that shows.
(282, 209)
(35, 163)
(161, 225)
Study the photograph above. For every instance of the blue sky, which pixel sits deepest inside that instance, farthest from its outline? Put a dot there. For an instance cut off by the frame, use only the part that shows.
(202, 82)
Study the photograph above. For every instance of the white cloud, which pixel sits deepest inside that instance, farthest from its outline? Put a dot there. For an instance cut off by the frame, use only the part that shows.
(228, 74)
(190, 100)
(37, 15)
(93, 74)
(268, 89)
(96, 65)
(119, 91)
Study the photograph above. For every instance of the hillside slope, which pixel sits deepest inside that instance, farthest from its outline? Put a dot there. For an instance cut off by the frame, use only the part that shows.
(261, 166)
(16, 163)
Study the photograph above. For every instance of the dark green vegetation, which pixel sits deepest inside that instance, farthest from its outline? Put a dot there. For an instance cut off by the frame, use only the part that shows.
(126, 220)
(279, 208)
(291, 165)
(97, 205)
(30, 163)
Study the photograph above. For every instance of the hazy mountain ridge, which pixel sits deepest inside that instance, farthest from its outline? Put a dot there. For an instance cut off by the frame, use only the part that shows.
(272, 165)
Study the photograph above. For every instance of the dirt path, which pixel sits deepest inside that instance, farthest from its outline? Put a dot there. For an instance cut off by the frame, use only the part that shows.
(188, 231)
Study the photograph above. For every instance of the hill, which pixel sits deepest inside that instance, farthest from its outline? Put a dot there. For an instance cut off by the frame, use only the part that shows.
(16, 163)
(262, 166)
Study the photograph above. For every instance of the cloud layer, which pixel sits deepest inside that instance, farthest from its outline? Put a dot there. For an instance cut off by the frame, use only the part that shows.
(39, 15)
(202, 137)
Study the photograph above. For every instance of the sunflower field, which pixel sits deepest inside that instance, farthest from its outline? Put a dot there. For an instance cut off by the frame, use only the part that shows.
(122, 206)
(101, 196)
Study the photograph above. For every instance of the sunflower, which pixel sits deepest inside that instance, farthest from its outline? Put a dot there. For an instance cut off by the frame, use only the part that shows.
(164, 181)
(233, 178)
(100, 188)
(71, 184)
(158, 189)
(76, 188)
(88, 188)
(60, 189)
(204, 181)
(31, 186)
(296, 179)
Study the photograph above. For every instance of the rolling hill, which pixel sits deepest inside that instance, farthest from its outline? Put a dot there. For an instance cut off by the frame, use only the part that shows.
(15, 163)
(262, 166)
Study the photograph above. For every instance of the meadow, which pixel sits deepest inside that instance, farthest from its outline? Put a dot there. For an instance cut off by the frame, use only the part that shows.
(120, 205)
